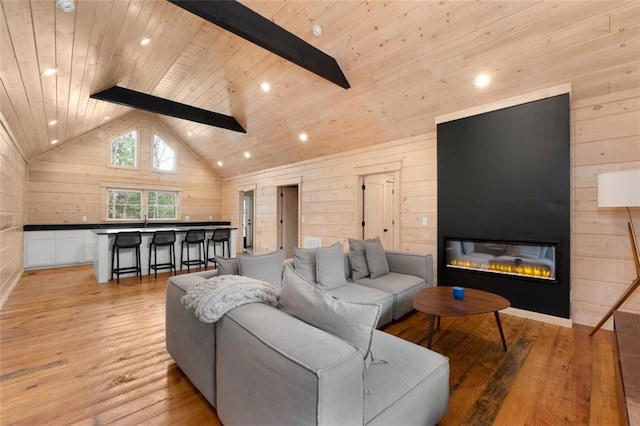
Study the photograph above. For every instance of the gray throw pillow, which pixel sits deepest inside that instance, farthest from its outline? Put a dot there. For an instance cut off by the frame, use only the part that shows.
(353, 322)
(358, 257)
(265, 267)
(304, 260)
(227, 266)
(376, 259)
(330, 266)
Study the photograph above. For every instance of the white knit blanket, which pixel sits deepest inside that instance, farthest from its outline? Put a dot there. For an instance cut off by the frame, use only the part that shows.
(211, 299)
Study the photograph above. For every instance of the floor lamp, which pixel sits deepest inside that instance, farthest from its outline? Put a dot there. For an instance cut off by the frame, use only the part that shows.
(621, 189)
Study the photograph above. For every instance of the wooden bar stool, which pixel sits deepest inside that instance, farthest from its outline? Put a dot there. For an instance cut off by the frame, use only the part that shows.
(194, 236)
(219, 236)
(126, 240)
(162, 239)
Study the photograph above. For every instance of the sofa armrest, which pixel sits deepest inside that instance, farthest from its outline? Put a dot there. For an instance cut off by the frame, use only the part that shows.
(418, 264)
(190, 343)
(292, 372)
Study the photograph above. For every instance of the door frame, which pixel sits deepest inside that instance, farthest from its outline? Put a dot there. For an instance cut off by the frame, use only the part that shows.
(294, 181)
(279, 213)
(378, 169)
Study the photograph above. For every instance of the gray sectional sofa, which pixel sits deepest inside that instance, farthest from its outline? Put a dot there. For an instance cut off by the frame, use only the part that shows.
(262, 365)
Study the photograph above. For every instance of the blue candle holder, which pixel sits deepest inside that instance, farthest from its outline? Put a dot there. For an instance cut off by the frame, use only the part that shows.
(458, 293)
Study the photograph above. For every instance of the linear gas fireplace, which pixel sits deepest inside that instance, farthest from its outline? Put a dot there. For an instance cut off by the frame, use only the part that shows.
(525, 260)
(504, 204)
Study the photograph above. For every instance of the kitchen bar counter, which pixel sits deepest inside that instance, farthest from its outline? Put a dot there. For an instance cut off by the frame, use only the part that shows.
(103, 242)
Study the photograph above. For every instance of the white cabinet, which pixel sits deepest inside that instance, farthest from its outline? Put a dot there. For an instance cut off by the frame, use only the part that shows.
(39, 248)
(57, 248)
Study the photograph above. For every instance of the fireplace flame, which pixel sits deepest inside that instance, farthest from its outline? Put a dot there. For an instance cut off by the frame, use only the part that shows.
(505, 268)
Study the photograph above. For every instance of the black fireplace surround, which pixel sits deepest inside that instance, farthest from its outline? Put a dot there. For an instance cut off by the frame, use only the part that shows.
(504, 179)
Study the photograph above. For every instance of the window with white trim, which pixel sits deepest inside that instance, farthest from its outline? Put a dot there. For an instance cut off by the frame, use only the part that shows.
(164, 158)
(124, 204)
(130, 204)
(162, 205)
(124, 150)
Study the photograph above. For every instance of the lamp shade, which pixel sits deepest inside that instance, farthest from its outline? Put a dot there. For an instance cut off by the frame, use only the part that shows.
(619, 189)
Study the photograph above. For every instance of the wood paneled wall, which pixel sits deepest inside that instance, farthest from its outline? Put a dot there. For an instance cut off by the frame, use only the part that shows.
(329, 194)
(13, 195)
(605, 137)
(68, 182)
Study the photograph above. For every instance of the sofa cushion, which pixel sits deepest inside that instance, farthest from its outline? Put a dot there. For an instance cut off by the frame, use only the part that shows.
(376, 259)
(304, 260)
(353, 322)
(274, 369)
(404, 288)
(186, 281)
(265, 267)
(361, 294)
(330, 266)
(227, 266)
(398, 389)
(358, 257)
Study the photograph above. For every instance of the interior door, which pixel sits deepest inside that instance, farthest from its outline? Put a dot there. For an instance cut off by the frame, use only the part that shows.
(378, 201)
(288, 219)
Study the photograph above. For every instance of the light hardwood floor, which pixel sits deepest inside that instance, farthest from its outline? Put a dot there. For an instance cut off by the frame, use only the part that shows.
(75, 352)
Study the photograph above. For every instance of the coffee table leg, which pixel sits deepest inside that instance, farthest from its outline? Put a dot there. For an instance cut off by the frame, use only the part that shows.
(431, 319)
(504, 342)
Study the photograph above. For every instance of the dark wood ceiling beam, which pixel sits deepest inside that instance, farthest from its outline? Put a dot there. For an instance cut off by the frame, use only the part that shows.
(244, 22)
(131, 98)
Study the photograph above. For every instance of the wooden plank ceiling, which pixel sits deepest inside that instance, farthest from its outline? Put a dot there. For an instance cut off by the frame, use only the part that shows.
(406, 61)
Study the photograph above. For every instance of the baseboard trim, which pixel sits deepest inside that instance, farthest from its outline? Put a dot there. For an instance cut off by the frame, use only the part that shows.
(564, 322)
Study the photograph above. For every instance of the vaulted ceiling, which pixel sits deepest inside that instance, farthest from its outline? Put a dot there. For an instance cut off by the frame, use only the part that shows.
(407, 62)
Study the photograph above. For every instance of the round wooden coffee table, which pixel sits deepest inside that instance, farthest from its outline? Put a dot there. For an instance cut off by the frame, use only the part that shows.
(439, 302)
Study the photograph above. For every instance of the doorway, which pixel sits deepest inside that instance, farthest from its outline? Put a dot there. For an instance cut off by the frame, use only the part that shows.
(379, 206)
(247, 221)
(288, 218)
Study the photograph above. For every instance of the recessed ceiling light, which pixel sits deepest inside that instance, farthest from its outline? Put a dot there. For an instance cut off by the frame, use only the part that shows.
(317, 30)
(55, 141)
(106, 118)
(145, 41)
(67, 6)
(482, 80)
(189, 134)
(303, 137)
(247, 154)
(265, 87)
(53, 122)
(220, 164)
(49, 72)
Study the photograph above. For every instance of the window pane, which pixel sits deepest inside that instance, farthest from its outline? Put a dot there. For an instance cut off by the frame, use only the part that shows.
(162, 205)
(123, 150)
(123, 204)
(163, 155)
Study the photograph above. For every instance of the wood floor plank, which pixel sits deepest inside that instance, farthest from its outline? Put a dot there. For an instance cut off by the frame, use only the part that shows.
(98, 351)
(577, 390)
(603, 408)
